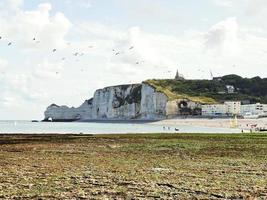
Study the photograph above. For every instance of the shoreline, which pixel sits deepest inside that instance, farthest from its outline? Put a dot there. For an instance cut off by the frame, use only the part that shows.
(204, 122)
(214, 123)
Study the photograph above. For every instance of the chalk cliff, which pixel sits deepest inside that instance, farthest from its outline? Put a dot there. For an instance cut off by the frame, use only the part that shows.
(123, 102)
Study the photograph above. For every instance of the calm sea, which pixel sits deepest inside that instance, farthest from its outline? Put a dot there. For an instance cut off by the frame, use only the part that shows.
(101, 128)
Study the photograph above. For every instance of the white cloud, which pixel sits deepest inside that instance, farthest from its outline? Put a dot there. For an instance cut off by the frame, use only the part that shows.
(223, 37)
(223, 3)
(23, 26)
(256, 7)
(14, 4)
(3, 65)
(48, 70)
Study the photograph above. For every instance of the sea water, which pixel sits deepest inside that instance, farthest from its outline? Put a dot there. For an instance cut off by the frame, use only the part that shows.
(102, 128)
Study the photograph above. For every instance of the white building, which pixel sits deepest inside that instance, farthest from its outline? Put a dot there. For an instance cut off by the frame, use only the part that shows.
(255, 110)
(214, 110)
(233, 107)
(229, 108)
(230, 89)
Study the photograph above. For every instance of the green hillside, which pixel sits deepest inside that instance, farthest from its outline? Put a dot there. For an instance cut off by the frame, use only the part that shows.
(212, 91)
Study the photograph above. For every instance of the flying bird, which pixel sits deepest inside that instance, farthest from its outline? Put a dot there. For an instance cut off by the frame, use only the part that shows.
(34, 39)
(76, 54)
(137, 63)
(63, 58)
(0, 37)
(132, 47)
(54, 50)
(117, 53)
(9, 43)
(91, 47)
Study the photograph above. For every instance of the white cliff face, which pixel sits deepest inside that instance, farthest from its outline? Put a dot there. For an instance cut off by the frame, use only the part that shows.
(64, 113)
(117, 102)
(153, 103)
(124, 102)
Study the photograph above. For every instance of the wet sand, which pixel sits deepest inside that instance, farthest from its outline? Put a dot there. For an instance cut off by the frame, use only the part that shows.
(142, 166)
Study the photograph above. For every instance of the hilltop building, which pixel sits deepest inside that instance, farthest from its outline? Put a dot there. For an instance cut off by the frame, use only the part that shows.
(179, 76)
(230, 89)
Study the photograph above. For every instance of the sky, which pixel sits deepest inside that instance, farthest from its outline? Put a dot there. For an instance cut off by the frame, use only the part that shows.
(152, 39)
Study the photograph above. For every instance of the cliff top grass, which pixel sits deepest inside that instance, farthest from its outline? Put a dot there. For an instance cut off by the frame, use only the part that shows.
(161, 86)
(143, 166)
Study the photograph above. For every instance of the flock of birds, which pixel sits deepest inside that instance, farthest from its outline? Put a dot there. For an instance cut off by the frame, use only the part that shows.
(78, 54)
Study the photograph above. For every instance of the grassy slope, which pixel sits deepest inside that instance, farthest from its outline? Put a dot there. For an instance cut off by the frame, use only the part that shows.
(207, 91)
(146, 166)
(165, 87)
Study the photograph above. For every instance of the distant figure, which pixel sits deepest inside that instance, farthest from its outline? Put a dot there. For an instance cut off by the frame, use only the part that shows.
(164, 128)
(176, 129)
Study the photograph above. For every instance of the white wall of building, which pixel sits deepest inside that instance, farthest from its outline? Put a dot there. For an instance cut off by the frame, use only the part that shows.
(254, 109)
(227, 109)
(233, 107)
(214, 110)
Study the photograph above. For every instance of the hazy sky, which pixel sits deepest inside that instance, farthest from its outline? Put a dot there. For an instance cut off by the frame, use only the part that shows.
(226, 36)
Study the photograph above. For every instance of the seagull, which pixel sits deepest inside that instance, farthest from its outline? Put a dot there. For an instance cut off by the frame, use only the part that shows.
(9, 43)
(54, 50)
(0, 37)
(137, 63)
(117, 53)
(131, 47)
(34, 39)
(76, 54)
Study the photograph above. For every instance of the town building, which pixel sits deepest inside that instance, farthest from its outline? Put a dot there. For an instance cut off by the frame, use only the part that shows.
(254, 110)
(229, 108)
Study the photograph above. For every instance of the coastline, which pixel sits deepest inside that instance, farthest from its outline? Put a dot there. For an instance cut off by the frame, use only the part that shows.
(213, 123)
(191, 121)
